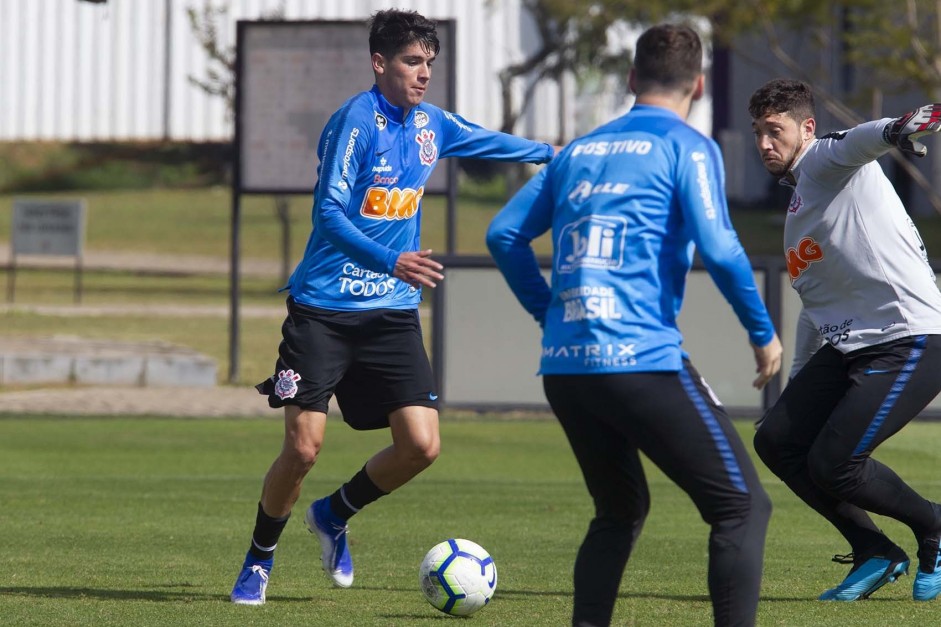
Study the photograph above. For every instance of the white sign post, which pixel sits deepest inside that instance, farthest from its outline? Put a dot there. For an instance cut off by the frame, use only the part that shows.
(47, 227)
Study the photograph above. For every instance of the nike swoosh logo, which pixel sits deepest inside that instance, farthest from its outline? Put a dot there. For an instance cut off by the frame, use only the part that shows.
(433, 397)
(382, 152)
(871, 371)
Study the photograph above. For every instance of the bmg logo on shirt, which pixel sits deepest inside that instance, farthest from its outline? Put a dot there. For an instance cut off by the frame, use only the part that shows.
(591, 242)
(380, 203)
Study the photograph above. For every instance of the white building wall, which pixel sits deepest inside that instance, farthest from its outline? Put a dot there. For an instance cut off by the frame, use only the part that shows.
(78, 71)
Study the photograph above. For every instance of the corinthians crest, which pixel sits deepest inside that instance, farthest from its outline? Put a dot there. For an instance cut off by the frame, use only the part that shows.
(428, 151)
(286, 387)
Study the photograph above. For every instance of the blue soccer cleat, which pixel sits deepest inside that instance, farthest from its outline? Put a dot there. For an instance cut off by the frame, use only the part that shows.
(331, 531)
(252, 581)
(928, 578)
(868, 575)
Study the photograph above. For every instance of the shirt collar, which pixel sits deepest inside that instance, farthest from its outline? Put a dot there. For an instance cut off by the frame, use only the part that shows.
(791, 177)
(392, 112)
(646, 108)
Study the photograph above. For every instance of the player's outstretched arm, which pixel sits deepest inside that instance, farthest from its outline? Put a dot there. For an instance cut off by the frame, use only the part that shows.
(905, 131)
(418, 269)
(767, 360)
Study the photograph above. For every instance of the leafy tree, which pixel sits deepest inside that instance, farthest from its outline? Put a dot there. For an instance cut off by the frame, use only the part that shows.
(895, 45)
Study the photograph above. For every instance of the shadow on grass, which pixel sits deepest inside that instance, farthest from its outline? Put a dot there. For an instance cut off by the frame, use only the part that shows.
(410, 617)
(509, 593)
(179, 592)
(173, 593)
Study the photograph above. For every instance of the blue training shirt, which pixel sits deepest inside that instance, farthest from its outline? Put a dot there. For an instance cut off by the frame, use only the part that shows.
(374, 162)
(627, 204)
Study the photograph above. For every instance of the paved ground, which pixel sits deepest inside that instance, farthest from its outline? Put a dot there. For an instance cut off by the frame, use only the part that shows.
(138, 401)
(218, 401)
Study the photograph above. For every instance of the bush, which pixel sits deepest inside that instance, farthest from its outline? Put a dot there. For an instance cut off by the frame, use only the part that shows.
(56, 166)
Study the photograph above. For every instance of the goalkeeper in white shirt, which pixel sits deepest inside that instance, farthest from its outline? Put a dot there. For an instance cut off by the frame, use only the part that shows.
(862, 272)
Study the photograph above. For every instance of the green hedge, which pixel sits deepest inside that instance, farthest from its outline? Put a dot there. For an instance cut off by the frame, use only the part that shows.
(56, 166)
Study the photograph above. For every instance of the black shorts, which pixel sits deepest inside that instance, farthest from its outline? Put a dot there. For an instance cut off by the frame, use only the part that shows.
(373, 360)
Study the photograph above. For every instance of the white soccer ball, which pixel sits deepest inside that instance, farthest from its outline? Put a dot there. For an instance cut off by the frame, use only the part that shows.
(458, 577)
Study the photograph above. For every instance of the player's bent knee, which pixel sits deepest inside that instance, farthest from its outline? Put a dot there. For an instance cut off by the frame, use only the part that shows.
(432, 448)
(748, 506)
(302, 455)
(431, 454)
(620, 524)
(620, 511)
(760, 506)
(624, 521)
(766, 448)
(840, 479)
(421, 455)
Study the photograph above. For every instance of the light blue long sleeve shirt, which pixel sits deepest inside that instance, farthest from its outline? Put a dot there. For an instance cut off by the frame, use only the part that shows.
(374, 163)
(627, 205)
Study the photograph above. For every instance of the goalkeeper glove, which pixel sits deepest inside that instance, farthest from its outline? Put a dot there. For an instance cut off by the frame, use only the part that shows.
(905, 131)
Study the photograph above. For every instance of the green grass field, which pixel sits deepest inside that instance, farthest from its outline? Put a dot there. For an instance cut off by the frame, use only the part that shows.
(146, 521)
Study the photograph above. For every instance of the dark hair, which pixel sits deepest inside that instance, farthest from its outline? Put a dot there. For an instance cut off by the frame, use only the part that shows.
(667, 57)
(392, 30)
(782, 95)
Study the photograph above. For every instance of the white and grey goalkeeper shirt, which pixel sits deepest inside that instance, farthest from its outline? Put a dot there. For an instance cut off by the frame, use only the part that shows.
(853, 254)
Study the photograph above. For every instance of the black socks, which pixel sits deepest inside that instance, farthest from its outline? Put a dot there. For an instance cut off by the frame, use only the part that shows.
(266, 534)
(354, 495)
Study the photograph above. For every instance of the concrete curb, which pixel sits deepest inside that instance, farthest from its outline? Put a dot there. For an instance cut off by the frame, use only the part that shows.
(61, 359)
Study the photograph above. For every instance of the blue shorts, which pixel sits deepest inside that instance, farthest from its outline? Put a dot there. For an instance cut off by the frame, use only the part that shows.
(374, 360)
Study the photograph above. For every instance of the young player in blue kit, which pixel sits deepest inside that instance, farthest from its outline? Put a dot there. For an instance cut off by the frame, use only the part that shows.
(352, 326)
(627, 204)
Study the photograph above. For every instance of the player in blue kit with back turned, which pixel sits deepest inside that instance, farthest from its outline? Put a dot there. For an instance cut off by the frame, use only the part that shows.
(627, 204)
